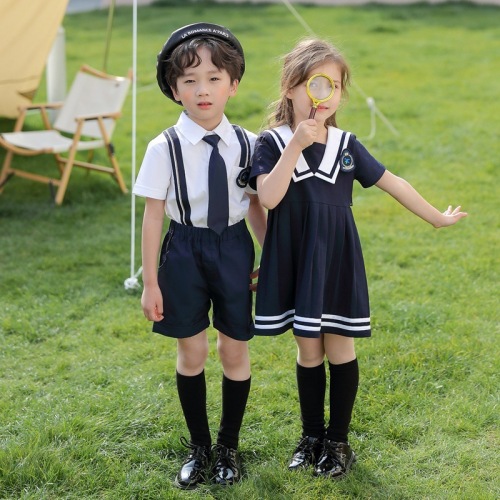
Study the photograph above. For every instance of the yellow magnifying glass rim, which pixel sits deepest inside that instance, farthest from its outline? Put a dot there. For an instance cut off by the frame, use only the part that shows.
(310, 89)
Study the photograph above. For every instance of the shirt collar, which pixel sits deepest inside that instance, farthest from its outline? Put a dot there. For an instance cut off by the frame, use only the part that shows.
(194, 133)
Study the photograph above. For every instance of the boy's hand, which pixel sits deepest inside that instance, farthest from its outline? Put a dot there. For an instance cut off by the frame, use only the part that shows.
(152, 303)
(254, 275)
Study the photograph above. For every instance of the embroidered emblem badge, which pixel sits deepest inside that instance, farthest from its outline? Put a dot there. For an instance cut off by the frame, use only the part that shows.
(346, 161)
(243, 177)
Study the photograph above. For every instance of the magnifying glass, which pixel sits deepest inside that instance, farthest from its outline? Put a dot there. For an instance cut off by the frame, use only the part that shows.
(319, 88)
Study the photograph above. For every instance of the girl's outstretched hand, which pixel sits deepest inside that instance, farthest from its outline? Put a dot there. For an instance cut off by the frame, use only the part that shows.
(452, 216)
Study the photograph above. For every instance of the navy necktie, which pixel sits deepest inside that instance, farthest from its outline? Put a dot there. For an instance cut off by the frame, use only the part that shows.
(218, 198)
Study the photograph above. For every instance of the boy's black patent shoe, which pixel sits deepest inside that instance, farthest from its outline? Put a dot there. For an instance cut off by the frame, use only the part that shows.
(307, 453)
(227, 466)
(194, 468)
(335, 461)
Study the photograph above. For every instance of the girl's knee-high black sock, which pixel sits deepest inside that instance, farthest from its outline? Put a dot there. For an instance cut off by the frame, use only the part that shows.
(193, 397)
(344, 380)
(234, 401)
(311, 383)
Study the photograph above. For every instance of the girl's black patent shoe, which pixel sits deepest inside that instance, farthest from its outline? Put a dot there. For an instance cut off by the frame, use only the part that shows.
(307, 453)
(194, 468)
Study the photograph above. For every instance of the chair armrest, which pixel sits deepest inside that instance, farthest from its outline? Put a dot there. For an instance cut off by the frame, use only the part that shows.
(42, 107)
(99, 116)
(45, 105)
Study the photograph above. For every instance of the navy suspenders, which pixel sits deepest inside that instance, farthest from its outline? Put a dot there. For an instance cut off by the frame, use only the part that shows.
(245, 146)
(179, 174)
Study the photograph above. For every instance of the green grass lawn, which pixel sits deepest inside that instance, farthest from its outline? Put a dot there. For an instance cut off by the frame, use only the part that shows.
(88, 405)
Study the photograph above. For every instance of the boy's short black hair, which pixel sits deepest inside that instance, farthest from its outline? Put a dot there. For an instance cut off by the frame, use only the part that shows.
(176, 55)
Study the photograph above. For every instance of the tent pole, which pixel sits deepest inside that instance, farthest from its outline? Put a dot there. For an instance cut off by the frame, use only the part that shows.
(132, 282)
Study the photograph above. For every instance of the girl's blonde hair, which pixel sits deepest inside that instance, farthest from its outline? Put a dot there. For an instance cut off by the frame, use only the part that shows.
(297, 66)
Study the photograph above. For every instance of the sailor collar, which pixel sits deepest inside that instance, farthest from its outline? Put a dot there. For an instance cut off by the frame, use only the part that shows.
(328, 170)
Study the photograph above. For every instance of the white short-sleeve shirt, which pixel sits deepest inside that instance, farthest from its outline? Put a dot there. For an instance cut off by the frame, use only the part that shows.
(155, 178)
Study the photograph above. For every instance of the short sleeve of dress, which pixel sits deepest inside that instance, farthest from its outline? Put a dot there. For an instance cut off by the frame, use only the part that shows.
(265, 156)
(251, 139)
(368, 170)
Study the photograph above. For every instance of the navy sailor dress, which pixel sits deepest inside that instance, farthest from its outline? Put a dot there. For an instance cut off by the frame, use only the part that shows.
(312, 275)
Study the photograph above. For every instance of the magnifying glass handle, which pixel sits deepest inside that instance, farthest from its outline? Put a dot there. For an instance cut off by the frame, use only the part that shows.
(312, 113)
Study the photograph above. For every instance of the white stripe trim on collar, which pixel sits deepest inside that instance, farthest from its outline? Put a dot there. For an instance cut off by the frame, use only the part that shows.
(328, 170)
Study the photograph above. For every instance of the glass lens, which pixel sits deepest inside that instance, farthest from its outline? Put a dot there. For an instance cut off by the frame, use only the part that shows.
(320, 87)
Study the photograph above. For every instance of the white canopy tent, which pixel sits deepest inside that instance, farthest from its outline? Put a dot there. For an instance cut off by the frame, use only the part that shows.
(28, 28)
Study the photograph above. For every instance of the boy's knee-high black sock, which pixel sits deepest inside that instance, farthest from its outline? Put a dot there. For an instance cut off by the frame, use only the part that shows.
(234, 401)
(193, 397)
(311, 383)
(344, 380)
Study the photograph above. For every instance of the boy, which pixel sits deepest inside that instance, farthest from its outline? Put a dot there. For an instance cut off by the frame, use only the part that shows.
(208, 254)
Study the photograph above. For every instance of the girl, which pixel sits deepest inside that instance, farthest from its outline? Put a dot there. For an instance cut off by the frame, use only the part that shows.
(312, 276)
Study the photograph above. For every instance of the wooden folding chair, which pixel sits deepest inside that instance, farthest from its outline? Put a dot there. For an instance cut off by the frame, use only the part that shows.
(85, 122)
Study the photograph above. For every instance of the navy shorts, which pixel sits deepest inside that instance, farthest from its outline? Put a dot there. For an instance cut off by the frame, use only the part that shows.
(200, 269)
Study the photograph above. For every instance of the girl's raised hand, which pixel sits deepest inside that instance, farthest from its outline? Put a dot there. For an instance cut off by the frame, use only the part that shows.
(306, 133)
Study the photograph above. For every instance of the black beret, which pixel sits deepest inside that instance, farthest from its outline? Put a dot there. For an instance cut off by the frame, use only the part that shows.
(196, 30)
